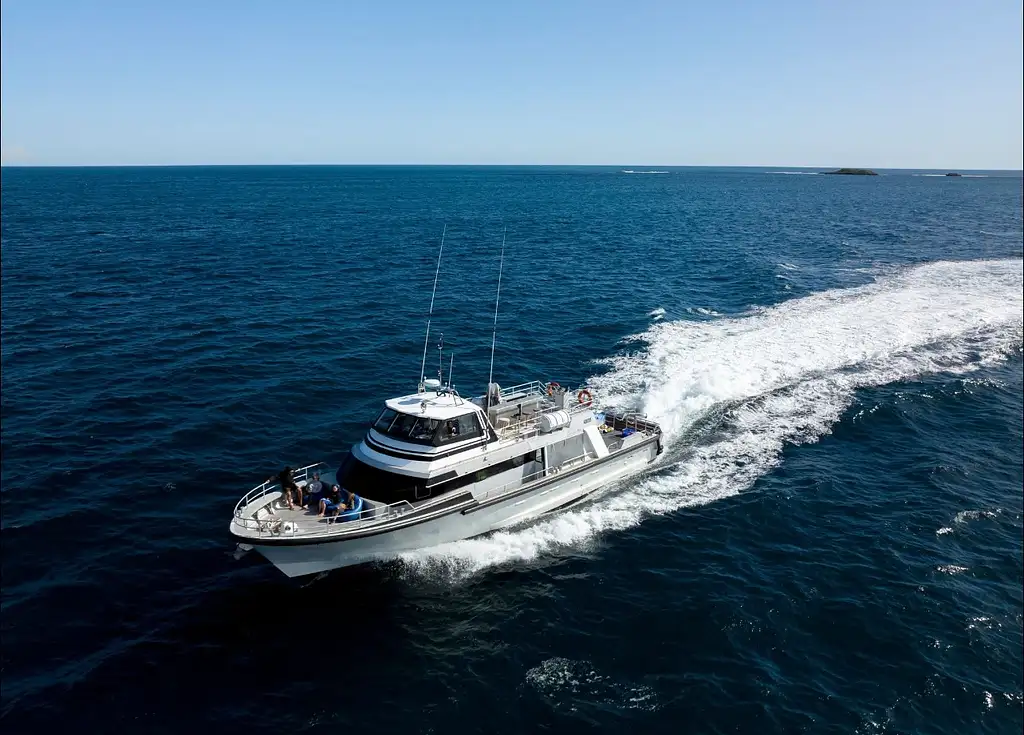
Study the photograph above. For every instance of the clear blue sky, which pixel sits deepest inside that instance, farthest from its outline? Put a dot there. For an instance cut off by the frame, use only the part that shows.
(902, 83)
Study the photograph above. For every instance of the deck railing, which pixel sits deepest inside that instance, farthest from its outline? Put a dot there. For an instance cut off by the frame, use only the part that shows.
(530, 423)
(272, 485)
(274, 525)
(524, 390)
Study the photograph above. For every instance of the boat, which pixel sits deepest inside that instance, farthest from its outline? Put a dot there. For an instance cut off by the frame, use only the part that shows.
(435, 467)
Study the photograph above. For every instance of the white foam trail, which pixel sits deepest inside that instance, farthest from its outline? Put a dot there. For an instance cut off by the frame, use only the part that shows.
(656, 313)
(795, 173)
(778, 375)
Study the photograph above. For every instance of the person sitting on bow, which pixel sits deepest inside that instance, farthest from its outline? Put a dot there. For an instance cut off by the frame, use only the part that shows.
(314, 491)
(331, 503)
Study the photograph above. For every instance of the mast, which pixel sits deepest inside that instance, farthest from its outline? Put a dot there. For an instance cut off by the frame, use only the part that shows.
(430, 313)
(494, 332)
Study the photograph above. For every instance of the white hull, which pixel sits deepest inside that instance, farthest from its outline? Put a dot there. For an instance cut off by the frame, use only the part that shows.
(311, 558)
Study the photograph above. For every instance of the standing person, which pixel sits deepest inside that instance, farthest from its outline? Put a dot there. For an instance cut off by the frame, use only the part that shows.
(291, 492)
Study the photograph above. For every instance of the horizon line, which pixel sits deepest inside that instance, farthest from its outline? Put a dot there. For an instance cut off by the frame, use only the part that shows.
(489, 165)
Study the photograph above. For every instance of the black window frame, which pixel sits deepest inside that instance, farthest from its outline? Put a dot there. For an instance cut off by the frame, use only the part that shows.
(384, 486)
(470, 478)
(439, 435)
(378, 485)
(475, 432)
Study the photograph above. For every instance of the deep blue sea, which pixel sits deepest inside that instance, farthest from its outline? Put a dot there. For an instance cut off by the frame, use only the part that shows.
(831, 543)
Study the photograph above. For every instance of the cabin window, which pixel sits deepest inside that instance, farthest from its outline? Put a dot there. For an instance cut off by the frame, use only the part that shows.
(377, 484)
(459, 429)
(492, 470)
(407, 427)
(384, 421)
(418, 429)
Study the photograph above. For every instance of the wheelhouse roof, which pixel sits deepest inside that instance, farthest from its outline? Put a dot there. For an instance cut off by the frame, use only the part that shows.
(441, 407)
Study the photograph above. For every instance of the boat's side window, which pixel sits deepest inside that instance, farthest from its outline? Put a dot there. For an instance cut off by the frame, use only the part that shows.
(424, 429)
(377, 484)
(469, 426)
(485, 472)
(459, 429)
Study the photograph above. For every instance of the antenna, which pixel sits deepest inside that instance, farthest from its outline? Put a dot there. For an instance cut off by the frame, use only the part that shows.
(440, 349)
(497, 300)
(451, 364)
(426, 338)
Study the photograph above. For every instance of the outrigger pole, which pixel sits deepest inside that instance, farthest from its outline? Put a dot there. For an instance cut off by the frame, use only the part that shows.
(494, 332)
(430, 313)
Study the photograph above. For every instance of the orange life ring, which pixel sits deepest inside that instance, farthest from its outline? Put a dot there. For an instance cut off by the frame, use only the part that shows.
(552, 386)
(589, 398)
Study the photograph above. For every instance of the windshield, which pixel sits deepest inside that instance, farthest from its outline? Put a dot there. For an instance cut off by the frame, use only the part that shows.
(416, 429)
(407, 427)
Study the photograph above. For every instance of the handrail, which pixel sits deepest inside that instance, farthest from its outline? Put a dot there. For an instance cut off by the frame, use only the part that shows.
(532, 422)
(274, 525)
(530, 388)
(268, 486)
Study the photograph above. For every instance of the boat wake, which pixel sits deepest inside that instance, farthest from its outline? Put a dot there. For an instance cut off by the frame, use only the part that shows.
(731, 392)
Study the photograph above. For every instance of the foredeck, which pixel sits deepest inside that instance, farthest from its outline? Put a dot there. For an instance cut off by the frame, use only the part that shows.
(260, 513)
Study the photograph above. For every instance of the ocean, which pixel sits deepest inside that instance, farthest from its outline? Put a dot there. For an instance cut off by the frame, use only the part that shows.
(831, 542)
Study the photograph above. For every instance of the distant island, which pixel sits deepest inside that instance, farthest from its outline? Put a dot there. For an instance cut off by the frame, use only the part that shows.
(954, 173)
(852, 172)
